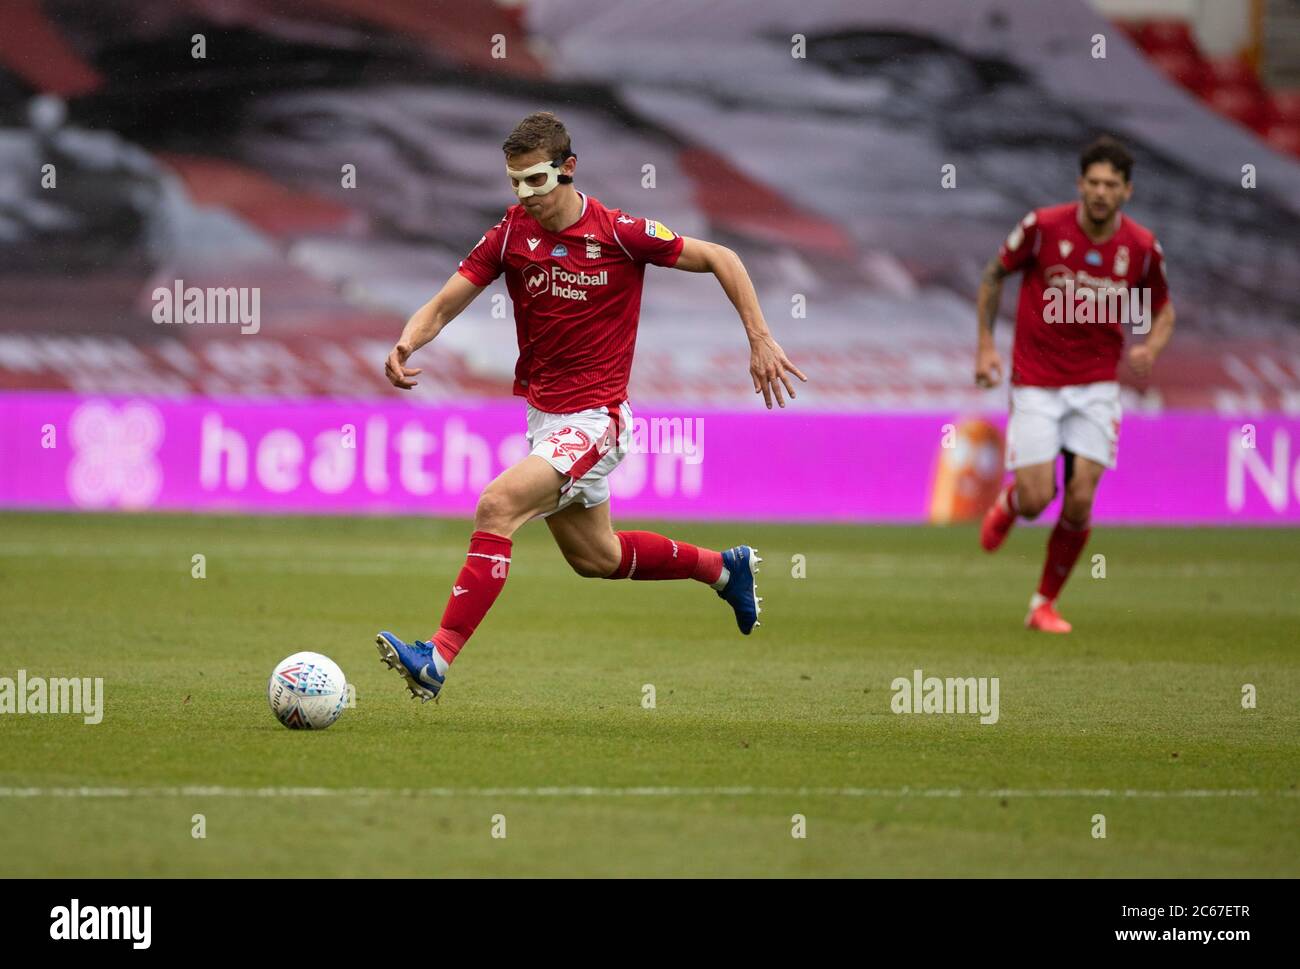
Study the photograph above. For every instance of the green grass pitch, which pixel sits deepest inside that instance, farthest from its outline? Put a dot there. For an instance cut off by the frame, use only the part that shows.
(1136, 716)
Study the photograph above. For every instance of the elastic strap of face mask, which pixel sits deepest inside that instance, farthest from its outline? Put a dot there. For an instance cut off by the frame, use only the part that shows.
(564, 179)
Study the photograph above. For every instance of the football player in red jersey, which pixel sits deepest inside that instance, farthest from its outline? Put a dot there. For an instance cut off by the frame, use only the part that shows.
(574, 271)
(1088, 272)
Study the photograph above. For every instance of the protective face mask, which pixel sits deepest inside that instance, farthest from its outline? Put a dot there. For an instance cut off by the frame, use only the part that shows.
(524, 190)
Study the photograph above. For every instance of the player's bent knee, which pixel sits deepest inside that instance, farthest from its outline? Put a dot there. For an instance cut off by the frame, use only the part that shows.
(591, 566)
(1031, 503)
(495, 512)
(1077, 511)
(1081, 493)
(589, 569)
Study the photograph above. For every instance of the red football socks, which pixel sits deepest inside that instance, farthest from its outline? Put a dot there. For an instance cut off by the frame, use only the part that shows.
(1063, 550)
(477, 587)
(645, 556)
(650, 556)
(1009, 500)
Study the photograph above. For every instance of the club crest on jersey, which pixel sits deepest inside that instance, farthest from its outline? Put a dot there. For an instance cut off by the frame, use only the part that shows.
(559, 252)
(593, 247)
(657, 230)
(1093, 258)
(1121, 261)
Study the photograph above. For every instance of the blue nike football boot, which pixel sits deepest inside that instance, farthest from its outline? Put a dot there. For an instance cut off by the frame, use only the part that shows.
(740, 592)
(415, 661)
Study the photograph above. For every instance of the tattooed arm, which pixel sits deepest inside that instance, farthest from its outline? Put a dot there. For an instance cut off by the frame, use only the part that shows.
(988, 365)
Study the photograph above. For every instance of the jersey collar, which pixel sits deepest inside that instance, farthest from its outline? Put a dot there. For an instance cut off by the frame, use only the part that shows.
(582, 214)
(1119, 222)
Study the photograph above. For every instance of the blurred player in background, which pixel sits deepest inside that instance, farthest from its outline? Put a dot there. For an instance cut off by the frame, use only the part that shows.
(574, 270)
(1075, 257)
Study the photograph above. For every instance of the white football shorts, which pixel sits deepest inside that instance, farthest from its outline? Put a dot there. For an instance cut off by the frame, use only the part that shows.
(584, 447)
(1082, 418)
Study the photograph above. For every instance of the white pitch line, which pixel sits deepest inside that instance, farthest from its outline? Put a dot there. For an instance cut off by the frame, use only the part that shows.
(544, 792)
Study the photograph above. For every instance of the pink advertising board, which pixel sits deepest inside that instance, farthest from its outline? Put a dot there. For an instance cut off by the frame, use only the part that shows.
(63, 451)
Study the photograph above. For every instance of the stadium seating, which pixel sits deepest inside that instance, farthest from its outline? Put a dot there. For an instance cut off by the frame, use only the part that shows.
(1230, 85)
(823, 172)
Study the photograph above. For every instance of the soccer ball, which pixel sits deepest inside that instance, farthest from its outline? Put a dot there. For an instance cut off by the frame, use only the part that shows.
(307, 691)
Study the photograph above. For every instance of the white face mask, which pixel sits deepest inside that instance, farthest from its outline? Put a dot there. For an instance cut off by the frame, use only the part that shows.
(524, 190)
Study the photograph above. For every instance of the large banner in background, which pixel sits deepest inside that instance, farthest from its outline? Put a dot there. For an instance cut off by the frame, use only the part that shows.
(112, 453)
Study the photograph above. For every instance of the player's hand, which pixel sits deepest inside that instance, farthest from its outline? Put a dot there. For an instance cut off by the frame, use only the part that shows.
(395, 368)
(1141, 360)
(988, 368)
(769, 365)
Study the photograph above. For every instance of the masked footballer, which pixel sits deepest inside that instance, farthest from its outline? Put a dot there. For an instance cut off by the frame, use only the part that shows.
(1087, 273)
(574, 270)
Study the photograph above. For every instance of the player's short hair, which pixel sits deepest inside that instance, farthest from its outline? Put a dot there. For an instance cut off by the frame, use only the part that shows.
(540, 130)
(1107, 149)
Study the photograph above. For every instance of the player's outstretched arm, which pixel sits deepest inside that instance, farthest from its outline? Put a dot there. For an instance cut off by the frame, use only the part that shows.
(425, 324)
(768, 364)
(1142, 357)
(988, 365)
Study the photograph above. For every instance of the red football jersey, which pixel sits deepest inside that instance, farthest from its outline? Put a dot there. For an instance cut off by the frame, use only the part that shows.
(1053, 252)
(577, 297)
